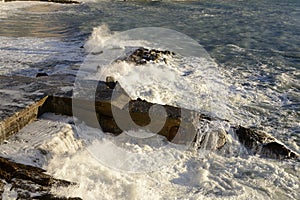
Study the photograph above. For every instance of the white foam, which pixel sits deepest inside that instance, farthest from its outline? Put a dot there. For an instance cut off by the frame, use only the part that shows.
(25, 56)
(197, 83)
(187, 80)
(228, 174)
(102, 37)
(40, 140)
(9, 194)
(190, 176)
(10, 8)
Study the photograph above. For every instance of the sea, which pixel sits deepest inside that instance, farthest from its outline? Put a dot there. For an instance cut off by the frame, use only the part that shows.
(237, 60)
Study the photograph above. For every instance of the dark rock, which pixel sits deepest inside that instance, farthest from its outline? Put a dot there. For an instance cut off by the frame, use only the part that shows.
(143, 56)
(110, 82)
(258, 142)
(27, 180)
(41, 74)
(52, 197)
(277, 151)
(2, 184)
(97, 52)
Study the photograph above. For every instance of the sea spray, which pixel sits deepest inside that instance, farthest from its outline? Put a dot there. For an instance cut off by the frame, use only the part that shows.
(193, 174)
(190, 79)
(260, 96)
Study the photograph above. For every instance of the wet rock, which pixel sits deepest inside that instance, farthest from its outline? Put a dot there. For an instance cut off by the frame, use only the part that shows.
(27, 180)
(41, 74)
(221, 138)
(110, 82)
(213, 141)
(258, 142)
(2, 184)
(277, 150)
(210, 136)
(143, 56)
(96, 52)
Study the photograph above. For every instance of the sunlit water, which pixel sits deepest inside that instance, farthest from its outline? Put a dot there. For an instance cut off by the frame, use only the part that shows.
(256, 50)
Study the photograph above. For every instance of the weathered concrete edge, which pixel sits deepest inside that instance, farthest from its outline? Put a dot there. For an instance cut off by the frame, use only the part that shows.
(177, 128)
(18, 120)
(58, 101)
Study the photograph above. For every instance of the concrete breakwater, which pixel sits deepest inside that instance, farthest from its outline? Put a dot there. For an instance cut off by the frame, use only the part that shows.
(49, 94)
(25, 99)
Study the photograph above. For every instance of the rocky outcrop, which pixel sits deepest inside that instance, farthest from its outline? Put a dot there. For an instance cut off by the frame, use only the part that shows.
(142, 56)
(29, 182)
(258, 142)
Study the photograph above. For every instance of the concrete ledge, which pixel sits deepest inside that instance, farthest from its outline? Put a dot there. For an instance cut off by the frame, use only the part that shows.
(26, 98)
(18, 120)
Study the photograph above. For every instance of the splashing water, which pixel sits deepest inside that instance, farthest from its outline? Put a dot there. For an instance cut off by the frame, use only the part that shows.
(259, 87)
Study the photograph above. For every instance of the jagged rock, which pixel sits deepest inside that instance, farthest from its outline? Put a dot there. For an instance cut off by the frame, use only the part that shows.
(142, 56)
(27, 180)
(258, 142)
